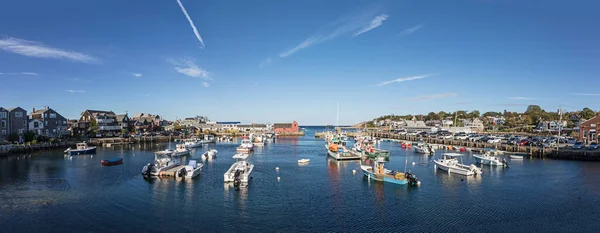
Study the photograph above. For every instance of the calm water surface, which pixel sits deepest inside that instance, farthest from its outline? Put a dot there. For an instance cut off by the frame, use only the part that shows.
(48, 192)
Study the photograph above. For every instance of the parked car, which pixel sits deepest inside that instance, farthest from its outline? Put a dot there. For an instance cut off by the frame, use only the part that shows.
(125, 136)
(460, 136)
(524, 142)
(593, 146)
(578, 145)
(494, 140)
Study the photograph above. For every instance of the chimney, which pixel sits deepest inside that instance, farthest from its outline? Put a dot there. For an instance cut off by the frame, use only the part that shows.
(32, 110)
(46, 107)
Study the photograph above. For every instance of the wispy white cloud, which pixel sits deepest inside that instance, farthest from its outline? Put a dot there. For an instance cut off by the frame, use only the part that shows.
(411, 30)
(188, 67)
(434, 96)
(205, 84)
(586, 94)
(265, 62)
(75, 91)
(375, 23)
(34, 49)
(191, 24)
(342, 26)
(136, 74)
(21, 73)
(399, 80)
(509, 105)
(519, 98)
(81, 80)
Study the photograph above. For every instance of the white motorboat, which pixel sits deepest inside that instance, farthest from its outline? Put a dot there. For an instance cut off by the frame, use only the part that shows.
(303, 161)
(162, 162)
(424, 149)
(189, 171)
(210, 154)
(516, 157)
(246, 147)
(192, 143)
(239, 172)
(180, 150)
(258, 140)
(208, 138)
(449, 163)
(338, 151)
(490, 160)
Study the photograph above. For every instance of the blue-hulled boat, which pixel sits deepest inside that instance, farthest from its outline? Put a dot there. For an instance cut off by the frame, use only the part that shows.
(115, 161)
(377, 172)
(81, 149)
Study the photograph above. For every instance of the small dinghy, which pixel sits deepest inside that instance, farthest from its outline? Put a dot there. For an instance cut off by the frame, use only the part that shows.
(109, 162)
(303, 161)
(516, 157)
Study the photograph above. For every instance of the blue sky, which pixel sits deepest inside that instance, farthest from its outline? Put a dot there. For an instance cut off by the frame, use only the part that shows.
(278, 61)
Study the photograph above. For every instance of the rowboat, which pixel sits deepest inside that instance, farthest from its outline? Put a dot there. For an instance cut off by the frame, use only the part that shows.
(303, 160)
(516, 157)
(109, 162)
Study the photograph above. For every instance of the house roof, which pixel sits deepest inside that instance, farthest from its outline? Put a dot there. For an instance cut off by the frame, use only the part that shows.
(100, 111)
(260, 125)
(244, 126)
(121, 117)
(15, 108)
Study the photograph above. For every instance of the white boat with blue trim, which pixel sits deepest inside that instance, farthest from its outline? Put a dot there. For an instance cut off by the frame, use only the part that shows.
(81, 149)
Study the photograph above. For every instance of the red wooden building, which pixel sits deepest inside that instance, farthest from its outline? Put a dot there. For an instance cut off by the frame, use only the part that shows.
(588, 130)
(286, 127)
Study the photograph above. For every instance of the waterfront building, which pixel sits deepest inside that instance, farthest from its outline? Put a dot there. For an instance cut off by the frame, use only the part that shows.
(3, 124)
(475, 124)
(17, 121)
(36, 126)
(229, 125)
(106, 121)
(54, 124)
(588, 130)
(285, 127)
(147, 122)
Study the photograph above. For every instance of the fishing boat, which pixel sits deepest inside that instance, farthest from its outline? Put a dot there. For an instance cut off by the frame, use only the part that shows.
(162, 162)
(337, 151)
(208, 138)
(239, 172)
(490, 160)
(301, 161)
(81, 149)
(516, 157)
(189, 171)
(258, 140)
(449, 163)
(379, 173)
(192, 143)
(210, 154)
(109, 162)
(246, 147)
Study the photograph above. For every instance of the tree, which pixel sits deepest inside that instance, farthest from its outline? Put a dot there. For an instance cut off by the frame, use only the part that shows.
(587, 113)
(432, 116)
(29, 136)
(533, 109)
(442, 114)
(13, 137)
(474, 114)
(93, 126)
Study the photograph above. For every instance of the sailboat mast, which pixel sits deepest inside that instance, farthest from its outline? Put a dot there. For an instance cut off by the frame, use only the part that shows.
(337, 119)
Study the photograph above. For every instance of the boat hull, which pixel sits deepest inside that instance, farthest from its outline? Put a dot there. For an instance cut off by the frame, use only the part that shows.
(244, 177)
(342, 155)
(82, 152)
(110, 162)
(486, 161)
(367, 171)
(452, 169)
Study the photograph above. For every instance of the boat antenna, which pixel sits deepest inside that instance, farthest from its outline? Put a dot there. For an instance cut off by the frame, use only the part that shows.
(406, 159)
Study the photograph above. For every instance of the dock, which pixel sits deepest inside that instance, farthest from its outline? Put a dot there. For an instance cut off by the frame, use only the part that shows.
(171, 171)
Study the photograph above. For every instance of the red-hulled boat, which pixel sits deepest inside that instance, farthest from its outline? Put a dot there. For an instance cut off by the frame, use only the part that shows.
(115, 161)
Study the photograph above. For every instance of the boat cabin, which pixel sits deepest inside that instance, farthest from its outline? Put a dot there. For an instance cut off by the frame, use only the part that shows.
(82, 146)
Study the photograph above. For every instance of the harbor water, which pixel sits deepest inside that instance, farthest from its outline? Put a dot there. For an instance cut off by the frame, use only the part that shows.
(51, 192)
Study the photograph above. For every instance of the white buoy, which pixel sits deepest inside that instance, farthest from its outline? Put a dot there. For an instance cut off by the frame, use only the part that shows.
(414, 163)
(353, 172)
(277, 168)
(278, 179)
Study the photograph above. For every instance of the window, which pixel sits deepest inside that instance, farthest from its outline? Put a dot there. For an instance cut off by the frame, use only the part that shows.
(64, 122)
(3, 124)
(36, 124)
(20, 131)
(46, 123)
(3, 115)
(52, 115)
(18, 114)
(25, 122)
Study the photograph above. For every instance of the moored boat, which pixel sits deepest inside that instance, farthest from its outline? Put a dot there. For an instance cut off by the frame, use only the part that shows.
(109, 162)
(239, 172)
(424, 149)
(303, 160)
(337, 151)
(192, 143)
(490, 160)
(210, 154)
(379, 173)
(208, 138)
(449, 163)
(516, 157)
(246, 147)
(81, 149)
(162, 162)
(189, 171)
(180, 150)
